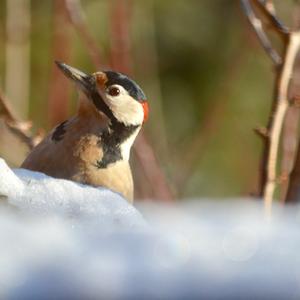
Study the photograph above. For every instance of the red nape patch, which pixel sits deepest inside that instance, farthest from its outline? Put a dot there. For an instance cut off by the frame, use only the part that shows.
(146, 110)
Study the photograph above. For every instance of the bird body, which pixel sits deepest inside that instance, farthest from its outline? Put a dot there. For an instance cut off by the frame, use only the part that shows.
(93, 147)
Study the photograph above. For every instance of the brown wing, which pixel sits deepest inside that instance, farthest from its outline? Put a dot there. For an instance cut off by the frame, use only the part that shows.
(71, 151)
(65, 151)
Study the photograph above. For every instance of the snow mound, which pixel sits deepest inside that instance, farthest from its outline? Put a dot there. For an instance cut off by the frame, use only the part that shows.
(40, 194)
(62, 240)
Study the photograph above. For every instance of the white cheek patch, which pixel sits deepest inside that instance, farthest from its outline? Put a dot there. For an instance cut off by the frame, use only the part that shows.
(126, 109)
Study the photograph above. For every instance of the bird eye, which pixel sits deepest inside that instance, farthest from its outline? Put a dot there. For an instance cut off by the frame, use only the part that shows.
(114, 91)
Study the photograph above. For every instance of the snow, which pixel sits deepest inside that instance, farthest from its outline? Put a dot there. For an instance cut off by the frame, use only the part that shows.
(62, 240)
(40, 194)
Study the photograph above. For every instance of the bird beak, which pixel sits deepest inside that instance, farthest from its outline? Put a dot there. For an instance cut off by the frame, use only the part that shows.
(81, 79)
(87, 83)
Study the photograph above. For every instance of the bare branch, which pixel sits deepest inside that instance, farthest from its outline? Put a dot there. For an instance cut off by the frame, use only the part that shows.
(290, 158)
(18, 128)
(282, 101)
(282, 115)
(25, 137)
(267, 9)
(262, 36)
(5, 110)
(269, 5)
(262, 132)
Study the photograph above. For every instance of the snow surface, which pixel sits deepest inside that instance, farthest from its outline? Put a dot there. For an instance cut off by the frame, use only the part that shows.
(43, 195)
(62, 240)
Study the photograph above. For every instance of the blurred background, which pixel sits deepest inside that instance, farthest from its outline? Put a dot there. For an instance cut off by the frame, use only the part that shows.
(207, 79)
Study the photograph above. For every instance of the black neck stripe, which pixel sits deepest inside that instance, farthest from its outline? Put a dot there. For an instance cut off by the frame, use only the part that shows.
(103, 107)
(111, 140)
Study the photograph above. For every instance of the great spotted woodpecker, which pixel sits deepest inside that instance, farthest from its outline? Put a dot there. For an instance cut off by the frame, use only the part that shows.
(93, 147)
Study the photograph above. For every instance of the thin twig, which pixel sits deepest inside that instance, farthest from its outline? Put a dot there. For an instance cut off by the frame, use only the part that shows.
(20, 129)
(279, 115)
(281, 102)
(268, 11)
(262, 36)
(269, 5)
(6, 111)
(262, 132)
(266, 7)
(291, 127)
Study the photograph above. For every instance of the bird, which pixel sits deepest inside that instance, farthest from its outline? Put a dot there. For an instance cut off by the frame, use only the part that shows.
(93, 147)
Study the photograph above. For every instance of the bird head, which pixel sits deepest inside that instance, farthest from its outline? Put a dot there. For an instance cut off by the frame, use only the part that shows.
(112, 93)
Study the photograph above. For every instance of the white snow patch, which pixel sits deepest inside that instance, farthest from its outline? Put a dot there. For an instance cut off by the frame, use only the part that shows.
(40, 194)
(62, 240)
